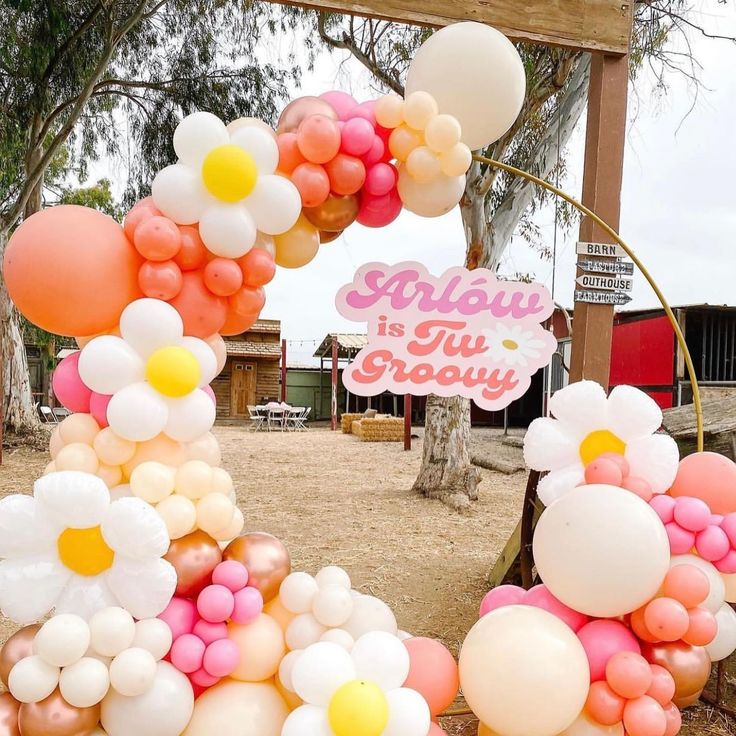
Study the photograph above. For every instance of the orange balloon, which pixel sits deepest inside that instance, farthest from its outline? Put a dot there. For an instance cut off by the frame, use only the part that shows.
(202, 312)
(710, 477)
(258, 267)
(247, 301)
(71, 270)
(262, 647)
(222, 276)
(194, 557)
(433, 672)
(236, 324)
(160, 280)
(139, 213)
(318, 138)
(298, 246)
(312, 182)
(289, 154)
(297, 110)
(193, 252)
(346, 173)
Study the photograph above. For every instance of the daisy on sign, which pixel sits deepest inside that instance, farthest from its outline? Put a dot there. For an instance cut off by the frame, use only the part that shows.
(464, 333)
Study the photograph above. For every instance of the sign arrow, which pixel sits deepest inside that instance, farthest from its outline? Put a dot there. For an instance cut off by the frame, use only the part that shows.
(609, 283)
(609, 250)
(622, 267)
(602, 297)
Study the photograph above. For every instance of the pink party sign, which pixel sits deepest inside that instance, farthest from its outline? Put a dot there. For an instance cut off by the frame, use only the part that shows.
(464, 333)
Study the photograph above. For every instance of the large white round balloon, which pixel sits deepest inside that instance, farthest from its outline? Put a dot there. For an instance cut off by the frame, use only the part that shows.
(381, 658)
(433, 199)
(524, 672)
(408, 713)
(370, 614)
(725, 641)
(307, 719)
(601, 550)
(163, 710)
(475, 74)
(717, 593)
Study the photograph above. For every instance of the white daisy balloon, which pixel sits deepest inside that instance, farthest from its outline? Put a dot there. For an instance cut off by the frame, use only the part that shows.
(339, 688)
(586, 425)
(225, 180)
(69, 548)
(154, 373)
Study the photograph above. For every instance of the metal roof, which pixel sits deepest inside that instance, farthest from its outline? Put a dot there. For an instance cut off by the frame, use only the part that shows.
(348, 343)
(252, 349)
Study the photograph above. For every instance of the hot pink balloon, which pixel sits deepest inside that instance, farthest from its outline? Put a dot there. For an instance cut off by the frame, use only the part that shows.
(98, 407)
(603, 638)
(341, 102)
(357, 137)
(221, 658)
(209, 632)
(540, 597)
(202, 679)
(68, 386)
(727, 564)
(187, 653)
(376, 153)
(180, 615)
(379, 211)
(503, 595)
(664, 506)
(712, 543)
(692, 513)
(681, 540)
(380, 179)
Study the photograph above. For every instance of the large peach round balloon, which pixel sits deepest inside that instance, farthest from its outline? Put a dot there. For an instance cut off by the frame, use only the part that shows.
(162, 449)
(194, 557)
(275, 609)
(237, 708)
(710, 477)
(433, 672)
(55, 717)
(262, 647)
(266, 558)
(688, 665)
(71, 270)
(17, 647)
(298, 246)
(9, 708)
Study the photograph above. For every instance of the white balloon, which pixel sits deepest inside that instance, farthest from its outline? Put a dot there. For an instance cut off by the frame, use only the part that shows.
(287, 667)
(112, 629)
(370, 614)
(433, 199)
(333, 575)
(84, 683)
(32, 679)
(62, 640)
(144, 587)
(197, 134)
(190, 416)
(303, 631)
(381, 658)
(163, 710)
(205, 357)
(459, 60)
(179, 193)
(108, 364)
(150, 324)
(717, 593)
(137, 413)
(298, 592)
(524, 672)
(132, 672)
(408, 713)
(275, 203)
(320, 671)
(725, 641)
(227, 230)
(338, 636)
(154, 635)
(307, 719)
(601, 550)
(260, 144)
(332, 605)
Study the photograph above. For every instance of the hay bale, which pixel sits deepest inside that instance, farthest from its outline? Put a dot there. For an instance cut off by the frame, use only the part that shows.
(356, 428)
(389, 429)
(346, 422)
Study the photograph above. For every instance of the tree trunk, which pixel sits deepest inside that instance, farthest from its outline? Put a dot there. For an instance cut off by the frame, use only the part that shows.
(446, 471)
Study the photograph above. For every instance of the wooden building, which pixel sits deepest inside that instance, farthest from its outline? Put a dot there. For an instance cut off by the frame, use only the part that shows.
(251, 374)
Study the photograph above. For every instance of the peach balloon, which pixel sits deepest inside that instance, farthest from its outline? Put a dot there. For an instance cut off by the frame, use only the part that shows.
(275, 609)
(266, 558)
(79, 428)
(233, 708)
(710, 477)
(218, 347)
(112, 475)
(729, 581)
(298, 246)
(77, 456)
(111, 449)
(162, 449)
(55, 442)
(318, 138)
(433, 672)
(205, 448)
(292, 700)
(9, 709)
(55, 717)
(18, 646)
(80, 248)
(262, 647)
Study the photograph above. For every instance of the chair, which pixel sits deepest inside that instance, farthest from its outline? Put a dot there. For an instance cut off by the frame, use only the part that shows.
(47, 416)
(292, 418)
(276, 416)
(256, 416)
(299, 421)
(61, 413)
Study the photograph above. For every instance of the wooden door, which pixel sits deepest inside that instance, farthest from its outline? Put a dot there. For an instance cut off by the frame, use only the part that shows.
(242, 388)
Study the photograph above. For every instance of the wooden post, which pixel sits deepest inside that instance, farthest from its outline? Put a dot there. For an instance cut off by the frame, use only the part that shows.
(333, 403)
(592, 326)
(407, 421)
(283, 371)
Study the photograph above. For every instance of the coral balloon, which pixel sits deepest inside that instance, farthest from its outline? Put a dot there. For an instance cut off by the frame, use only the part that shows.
(662, 688)
(157, 239)
(266, 558)
(710, 477)
(644, 716)
(236, 324)
(433, 672)
(139, 213)
(258, 267)
(666, 619)
(346, 174)
(160, 280)
(194, 557)
(312, 182)
(318, 138)
(297, 110)
(193, 252)
(702, 628)
(603, 704)
(335, 213)
(80, 249)
(53, 716)
(298, 246)
(247, 301)
(222, 276)
(202, 312)
(628, 674)
(289, 154)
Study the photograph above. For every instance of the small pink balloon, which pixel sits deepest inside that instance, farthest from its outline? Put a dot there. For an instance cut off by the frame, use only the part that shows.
(692, 513)
(341, 102)
(503, 595)
(376, 153)
(68, 387)
(357, 137)
(98, 408)
(248, 606)
(208, 390)
(209, 632)
(380, 179)
(540, 597)
(712, 543)
(729, 526)
(232, 574)
(604, 471)
(727, 563)
(180, 615)
(664, 506)
(221, 658)
(203, 679)
(602, 639)
(364, 110)
(638, 486)
(681, 540)
(187, 653)
(215, 603)
(620, 460)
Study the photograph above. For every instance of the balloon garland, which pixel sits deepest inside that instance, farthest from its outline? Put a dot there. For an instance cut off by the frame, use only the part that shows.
(166, 619)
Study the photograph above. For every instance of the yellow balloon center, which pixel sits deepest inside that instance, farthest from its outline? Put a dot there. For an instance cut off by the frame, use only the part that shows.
(358, 708)
(84, 551)
(173, 371)
(598, 443)
(229, 173)
(510, 344)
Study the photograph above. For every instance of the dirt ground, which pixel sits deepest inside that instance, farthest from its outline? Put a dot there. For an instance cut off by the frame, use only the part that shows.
(335, 500)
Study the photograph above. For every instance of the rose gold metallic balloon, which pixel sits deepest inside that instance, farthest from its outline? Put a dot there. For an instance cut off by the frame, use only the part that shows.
(55, 717)
(328, 237)
(9, 708)
(334, 214)
(194, 557)
(301, 108)
(250, 122)
(688, 665)
(18, 646)
(266, 558)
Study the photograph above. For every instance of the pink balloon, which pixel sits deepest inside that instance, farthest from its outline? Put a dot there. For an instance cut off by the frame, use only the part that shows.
(209, 632)
(203, 679)
(727, 563)
(364, 110)
(728, 524)
(603, 638)
(341, 102)
(232, 574)
(221, 658)
(68, 387)
(712, 543)
(376, 153)
(248, 606)
(692, 513)
(98, 408)
(638, 486)
(665, 507)
(503, 595)
(180, 615)
(380, 179)
(208, 390)
(681, 540)
(540, 597)
(379, 211)
(187, 653)
(357, 137)
(215, 603)
(605, 471)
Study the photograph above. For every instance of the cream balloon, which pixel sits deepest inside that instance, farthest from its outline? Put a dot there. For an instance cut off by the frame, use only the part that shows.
(433, 199)
(262, 646)
(725, 641)
(475, 74)
(601, 551)
(524, 672)
(583, 725)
